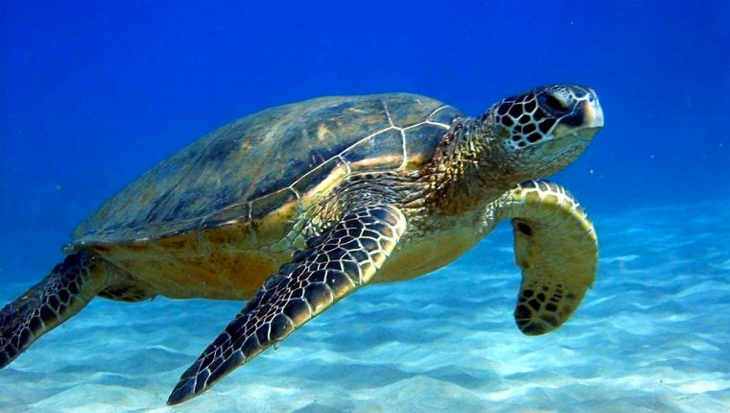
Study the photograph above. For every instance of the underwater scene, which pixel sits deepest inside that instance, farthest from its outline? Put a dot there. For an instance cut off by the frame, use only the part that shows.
(94, 94)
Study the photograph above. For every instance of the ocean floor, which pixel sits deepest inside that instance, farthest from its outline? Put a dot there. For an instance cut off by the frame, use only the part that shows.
(652, 336)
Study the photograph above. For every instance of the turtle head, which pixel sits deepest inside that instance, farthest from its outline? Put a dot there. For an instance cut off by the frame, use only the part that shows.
(540, 132)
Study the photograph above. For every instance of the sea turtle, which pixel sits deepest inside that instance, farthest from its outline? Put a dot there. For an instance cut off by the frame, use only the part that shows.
(295, 207)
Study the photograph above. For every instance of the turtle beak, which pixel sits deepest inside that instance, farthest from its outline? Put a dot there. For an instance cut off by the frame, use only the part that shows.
(592, 117)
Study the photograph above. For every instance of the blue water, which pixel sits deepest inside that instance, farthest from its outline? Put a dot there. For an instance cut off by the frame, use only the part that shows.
(95, 93)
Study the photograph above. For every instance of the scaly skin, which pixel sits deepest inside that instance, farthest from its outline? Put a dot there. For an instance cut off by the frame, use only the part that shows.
(319, 276)
(479, 159)
(55, 299)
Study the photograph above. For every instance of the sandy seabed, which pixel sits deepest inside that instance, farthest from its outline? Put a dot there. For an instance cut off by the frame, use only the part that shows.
(652, 336)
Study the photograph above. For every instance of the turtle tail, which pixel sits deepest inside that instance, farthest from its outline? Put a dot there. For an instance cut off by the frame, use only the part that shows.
(58, 297)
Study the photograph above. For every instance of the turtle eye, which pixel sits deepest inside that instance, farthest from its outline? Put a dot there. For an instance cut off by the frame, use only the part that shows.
(554, 102)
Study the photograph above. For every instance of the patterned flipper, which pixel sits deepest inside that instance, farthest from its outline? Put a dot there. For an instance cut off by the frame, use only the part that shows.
(63, 293)
(556, 247)
(334, 265)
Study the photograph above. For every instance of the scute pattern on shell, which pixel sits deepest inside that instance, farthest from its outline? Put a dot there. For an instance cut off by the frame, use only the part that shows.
(249, 168)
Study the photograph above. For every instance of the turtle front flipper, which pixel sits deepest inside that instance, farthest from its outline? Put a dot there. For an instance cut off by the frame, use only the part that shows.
(58, 297)
(557, 249)
(334, 265)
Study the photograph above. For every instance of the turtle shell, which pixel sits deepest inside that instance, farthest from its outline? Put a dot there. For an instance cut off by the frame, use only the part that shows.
(252, 168)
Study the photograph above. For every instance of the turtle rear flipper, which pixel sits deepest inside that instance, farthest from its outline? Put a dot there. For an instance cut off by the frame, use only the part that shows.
(557, 249)
(55, 299)
(332, 267)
